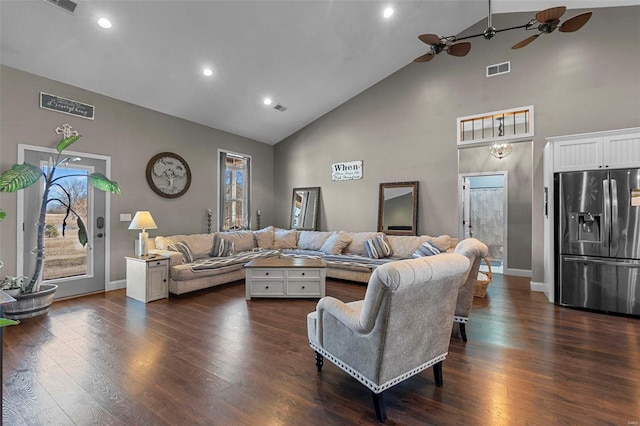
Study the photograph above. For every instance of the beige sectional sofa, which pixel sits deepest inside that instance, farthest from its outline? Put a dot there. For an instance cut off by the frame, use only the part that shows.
(343, 251)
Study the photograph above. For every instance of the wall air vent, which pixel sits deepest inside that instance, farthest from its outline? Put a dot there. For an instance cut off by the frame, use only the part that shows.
(498, 69)
(280, 108)
(66, 5)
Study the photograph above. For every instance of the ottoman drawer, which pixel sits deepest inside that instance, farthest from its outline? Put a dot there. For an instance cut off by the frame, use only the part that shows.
(267, 288)
(303, 273)
(266, 273)
(303, 288)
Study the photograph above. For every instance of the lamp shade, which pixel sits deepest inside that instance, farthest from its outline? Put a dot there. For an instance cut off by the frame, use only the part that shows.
(143, 220)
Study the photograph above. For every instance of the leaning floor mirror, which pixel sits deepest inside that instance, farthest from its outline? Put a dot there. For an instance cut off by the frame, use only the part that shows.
(305, 206)
(398, 208)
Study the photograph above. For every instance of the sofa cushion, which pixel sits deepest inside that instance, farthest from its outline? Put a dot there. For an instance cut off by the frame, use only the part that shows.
(442, 242)
(184, 250)
(200, 244)
(357, 241)
(242, 240)
(312, 240)
(426, 249)
(221, 247)
(285, 239)
(378, 247)
(265, 237)
(336, 243)
(403, 246)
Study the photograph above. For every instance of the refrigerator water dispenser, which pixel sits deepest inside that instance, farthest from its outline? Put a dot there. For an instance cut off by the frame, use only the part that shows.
(585, 227)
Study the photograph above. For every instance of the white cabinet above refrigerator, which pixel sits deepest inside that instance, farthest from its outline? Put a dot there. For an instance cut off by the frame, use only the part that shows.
(606, 150)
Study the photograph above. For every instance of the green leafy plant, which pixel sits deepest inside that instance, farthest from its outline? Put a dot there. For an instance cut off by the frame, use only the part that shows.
(21, 176)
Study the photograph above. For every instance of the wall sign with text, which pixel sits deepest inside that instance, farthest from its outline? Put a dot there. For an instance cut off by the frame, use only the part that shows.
(66, 106)
(349, 170)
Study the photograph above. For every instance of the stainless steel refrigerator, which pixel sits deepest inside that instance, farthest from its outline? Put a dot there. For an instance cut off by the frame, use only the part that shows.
(598, 240)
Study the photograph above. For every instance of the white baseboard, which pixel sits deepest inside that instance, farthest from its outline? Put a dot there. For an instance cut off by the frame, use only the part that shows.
(115, 285)
(543, 288)
(518, 272)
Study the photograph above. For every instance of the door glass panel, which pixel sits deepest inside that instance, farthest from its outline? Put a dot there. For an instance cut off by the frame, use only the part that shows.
(65, 256)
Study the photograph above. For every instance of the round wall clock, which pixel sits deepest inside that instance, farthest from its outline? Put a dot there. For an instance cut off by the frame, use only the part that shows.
(168, 175)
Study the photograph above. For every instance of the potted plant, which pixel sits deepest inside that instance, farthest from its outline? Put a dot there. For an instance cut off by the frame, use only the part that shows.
(13, 286)
(34, 299)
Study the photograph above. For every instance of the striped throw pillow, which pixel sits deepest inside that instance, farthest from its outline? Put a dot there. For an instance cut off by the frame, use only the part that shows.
(185, 251)
(221, 247)
(378, 247)
(426, 249)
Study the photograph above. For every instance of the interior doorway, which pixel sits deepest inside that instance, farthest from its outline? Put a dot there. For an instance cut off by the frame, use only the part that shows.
(484, 214)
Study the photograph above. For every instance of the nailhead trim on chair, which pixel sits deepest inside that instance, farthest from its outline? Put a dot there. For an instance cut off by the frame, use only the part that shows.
(368, 383)
(460, 319)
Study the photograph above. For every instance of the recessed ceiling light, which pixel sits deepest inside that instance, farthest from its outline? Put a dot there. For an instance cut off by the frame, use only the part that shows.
(104, 23)
(208, 72)
(388, 12)
(267, 101)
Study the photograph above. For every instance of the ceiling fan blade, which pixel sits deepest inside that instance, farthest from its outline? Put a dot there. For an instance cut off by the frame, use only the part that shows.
(552, 14)
(425, 58)
(575, 23)
(459, 49)
(525, 42)
(429, 39)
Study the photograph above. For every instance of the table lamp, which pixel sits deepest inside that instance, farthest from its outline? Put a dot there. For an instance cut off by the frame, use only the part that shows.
(143, 220)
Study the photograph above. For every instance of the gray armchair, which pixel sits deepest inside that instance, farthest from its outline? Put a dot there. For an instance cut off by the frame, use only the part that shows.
(402, 326)
(474, 250)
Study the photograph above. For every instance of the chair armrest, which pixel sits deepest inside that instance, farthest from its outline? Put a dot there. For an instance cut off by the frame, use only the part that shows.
(340, 311)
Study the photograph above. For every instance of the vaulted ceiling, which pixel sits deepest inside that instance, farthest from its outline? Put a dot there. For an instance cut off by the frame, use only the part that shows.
(308, 56)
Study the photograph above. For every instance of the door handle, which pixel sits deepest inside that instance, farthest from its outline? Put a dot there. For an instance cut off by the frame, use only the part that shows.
(623, 264)
(615, 231)
(99, 235)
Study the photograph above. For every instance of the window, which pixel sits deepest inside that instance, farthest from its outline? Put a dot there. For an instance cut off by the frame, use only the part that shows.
(235, 193)
(66, 257)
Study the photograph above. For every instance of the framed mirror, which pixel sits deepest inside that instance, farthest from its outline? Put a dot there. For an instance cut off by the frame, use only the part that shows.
(398, 208)
(305, 206)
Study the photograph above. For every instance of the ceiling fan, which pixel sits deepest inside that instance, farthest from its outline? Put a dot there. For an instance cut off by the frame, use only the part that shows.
(547, 21)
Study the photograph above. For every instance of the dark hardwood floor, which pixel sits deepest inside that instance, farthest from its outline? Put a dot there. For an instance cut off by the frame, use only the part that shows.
(215, 359)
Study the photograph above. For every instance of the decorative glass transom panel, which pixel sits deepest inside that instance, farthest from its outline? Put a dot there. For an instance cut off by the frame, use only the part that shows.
(509, 125)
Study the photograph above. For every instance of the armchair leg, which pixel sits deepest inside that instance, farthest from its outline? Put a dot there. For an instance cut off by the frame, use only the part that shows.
(319, 361)
(378, 403)
(463, 332)
(437, 373)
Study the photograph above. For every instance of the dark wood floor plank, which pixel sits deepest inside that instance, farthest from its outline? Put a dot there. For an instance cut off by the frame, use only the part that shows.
(214, 358)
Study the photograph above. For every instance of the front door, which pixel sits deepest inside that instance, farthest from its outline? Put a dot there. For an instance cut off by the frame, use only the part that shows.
(75, 269)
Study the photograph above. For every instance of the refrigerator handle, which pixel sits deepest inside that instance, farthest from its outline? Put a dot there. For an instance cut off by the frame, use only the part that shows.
(607, 211)
(615, 228)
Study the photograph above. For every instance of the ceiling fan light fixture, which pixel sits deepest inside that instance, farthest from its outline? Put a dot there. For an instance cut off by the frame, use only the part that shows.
(500, 150)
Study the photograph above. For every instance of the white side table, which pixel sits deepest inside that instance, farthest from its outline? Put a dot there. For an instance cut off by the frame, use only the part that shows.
(148, 278)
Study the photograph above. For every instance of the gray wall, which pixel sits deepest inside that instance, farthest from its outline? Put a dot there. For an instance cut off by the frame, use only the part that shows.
(519, 184)
(404, 128)
(130, 135)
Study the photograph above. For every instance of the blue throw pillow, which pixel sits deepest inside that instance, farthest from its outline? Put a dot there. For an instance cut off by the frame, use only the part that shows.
(426, 249)
(221, 247)
(378, 247)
